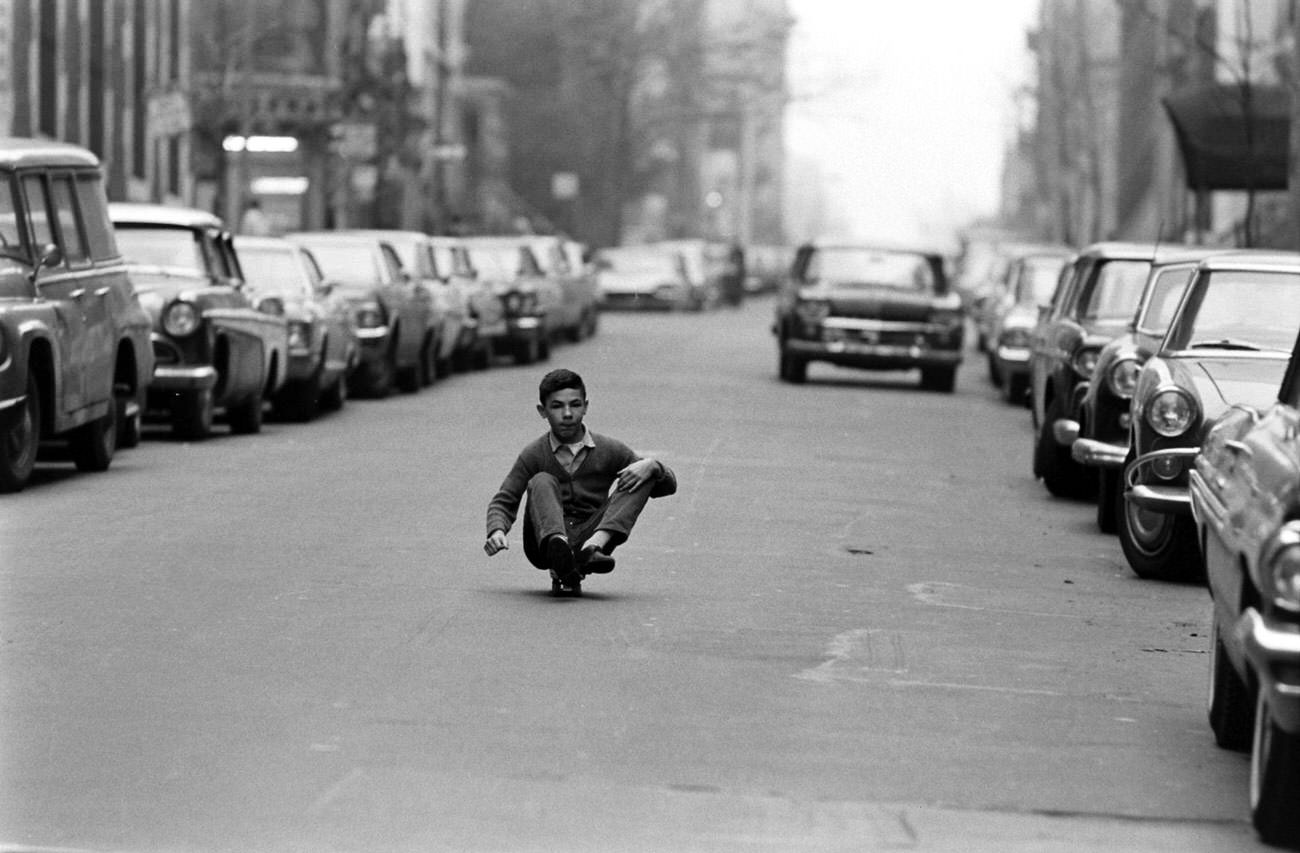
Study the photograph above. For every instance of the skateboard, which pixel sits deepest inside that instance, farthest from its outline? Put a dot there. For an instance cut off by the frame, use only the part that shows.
(573, 588)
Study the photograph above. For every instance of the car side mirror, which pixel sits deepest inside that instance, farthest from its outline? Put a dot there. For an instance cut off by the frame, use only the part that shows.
(51, 256)
(325, 288)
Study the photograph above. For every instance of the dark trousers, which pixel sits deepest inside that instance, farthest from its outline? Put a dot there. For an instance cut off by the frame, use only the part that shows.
(544, 516)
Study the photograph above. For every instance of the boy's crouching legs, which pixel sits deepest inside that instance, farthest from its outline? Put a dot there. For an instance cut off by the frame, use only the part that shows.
(546, 544)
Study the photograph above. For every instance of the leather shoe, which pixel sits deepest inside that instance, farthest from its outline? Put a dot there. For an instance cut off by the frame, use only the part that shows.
(595, 561)
(559, 559)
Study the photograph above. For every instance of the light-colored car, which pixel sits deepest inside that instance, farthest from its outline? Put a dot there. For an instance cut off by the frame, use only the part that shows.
(561, 260)
(323, 347)
(647, 276)
(530, 298)
(1008, 320)
(212, 348)
(1245, 499)
(75, 355)
(1228, 344)
(487, 319)
(392, 315)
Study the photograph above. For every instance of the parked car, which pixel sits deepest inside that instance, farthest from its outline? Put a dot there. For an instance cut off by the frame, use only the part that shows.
(1102, 420)
(393, 317)
(765, 267)
(1030, 282)
(1245, 501)
(871, 307)
(705, 267)
(1042, 263)
(487, 318)
(645, 276)
(75, 357)
(1093, 303)
(212, 348)
(323, 347)
(455, 334)
(576, 318)
(1228, 343)
(531, 299)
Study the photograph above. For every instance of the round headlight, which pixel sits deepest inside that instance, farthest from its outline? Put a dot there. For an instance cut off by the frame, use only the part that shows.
(180, 319)
(1084, 361)
(271, 305)
(1171, 412)
(299, 335)
(1281, 567)
(513, 303)
(1123, 377)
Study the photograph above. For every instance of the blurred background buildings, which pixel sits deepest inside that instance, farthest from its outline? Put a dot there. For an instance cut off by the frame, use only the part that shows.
(626, 119)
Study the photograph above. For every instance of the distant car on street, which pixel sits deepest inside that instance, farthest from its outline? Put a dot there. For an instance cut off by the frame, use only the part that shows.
(871, 307)
(486, 318)
(323, 347)
(531, 299)
(1228, 344)
(1245, 500)
(392, 314)
(1093, 303)
(644, 276)
(212, 348)
(75, 356)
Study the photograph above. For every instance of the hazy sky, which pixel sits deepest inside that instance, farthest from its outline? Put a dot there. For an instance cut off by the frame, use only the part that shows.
(906, 105)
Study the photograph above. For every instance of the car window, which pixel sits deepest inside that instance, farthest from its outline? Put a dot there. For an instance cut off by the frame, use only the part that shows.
(528, 264)
(1116, 288)
(428, 265)
(11, 239)
(559, 263)
(1226, 306)
(864, 267)
(392, 263)
(314, 274)
(175, 248)
(38, 214)
(1036, 280)
(94, 216)
(63, 197)
(1166, 291)
(635, 259)
(347, 262)
(274, 270)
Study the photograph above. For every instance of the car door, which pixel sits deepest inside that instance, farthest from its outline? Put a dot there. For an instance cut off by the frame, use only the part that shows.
(64, 291)
(413, 304)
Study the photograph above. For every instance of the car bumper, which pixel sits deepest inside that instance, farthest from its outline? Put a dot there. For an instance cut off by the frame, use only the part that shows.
(1098, 454)
(173, 378)
(855, 354)
(1149, 492)
(1273, 651)
(525, 328)
(1012, 357)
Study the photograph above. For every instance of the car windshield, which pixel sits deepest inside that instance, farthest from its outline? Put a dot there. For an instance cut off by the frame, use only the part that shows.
(176, 248)
(273, 271)
(1116, 290)
(1166, 290)
(861, 267)
(1037, 279)
(634, 260)
(500, 262)
(347, 262)
(1240, 310)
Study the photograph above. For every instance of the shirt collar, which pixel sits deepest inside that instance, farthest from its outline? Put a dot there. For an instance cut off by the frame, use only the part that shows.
(587, 441)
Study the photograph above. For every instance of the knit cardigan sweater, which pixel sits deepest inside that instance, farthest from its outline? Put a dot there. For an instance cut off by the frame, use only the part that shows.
(583, 491)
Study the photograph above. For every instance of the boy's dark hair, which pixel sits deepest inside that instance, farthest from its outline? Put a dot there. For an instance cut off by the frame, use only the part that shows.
(558, 379)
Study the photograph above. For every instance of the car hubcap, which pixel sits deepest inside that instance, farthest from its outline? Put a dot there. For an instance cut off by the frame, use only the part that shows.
(1149, 529)
(18, 438)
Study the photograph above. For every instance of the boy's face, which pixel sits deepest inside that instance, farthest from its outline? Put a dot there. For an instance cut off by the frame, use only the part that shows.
(564, 411)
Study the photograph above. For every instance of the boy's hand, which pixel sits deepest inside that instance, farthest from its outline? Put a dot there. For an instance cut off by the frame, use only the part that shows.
(637, 475)
(496, 541)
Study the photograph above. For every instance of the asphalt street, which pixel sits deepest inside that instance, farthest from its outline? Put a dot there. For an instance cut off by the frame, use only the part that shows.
(859, 625)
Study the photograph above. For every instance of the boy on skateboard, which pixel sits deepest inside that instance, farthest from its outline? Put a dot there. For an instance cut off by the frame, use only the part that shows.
(585, 490)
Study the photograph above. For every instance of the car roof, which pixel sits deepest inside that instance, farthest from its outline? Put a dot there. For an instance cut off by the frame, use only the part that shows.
(389, 234)
(248, 241)
(345, 237)
(879, 246)
(1263, 260)
(136, 213)
(17, 152)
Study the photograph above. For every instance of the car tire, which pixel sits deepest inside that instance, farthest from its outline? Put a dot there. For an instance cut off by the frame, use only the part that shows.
(246, 418)
(92, 444)
(1110, 496)
(943, 379)
(20, 439)
(130, 418)
(1015, 389)
(299, 401)
(1062, 476)
(1159, 546)
(1274, 779)
(526, 351)
(791, 368)
(192, 415)
(429, 370)
(1231, 709)
(995, 377)
(335, 394)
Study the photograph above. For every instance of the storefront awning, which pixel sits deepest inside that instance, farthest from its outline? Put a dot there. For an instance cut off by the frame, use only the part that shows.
(1231, 139)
